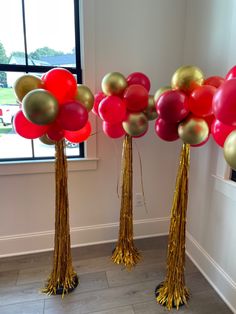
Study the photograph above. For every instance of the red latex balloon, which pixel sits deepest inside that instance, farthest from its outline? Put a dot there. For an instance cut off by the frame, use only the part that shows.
(220, 131)
(172, 106)
(139, 79)
(215, 81)
(224, 103)
(27, 129)
(61, 83)
(97, 99)
(209, 120)
(72, 116)
(166, 131)
(55, 132)
(136, 98)
(112, 109)
(200, 100)
(202, 143)
(113, 130)
(231, 74)
(79, 136)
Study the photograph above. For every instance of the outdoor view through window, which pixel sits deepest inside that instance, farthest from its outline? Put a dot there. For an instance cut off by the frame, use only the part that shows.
(35, 36)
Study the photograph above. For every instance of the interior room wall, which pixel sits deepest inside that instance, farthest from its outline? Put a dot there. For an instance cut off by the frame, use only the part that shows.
(210, 44)
(125, 36)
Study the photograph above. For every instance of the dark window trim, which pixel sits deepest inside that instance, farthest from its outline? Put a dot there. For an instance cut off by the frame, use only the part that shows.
(42, 69)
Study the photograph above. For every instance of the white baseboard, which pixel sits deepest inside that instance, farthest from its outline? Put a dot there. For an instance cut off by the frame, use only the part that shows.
(212, 271)
(81, 236)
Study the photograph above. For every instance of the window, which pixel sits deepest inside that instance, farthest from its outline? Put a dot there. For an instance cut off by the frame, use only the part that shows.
(233, 175)
(35, 37)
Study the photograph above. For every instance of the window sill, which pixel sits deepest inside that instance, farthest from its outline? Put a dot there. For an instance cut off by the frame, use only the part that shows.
(45, 166)
(225, 186)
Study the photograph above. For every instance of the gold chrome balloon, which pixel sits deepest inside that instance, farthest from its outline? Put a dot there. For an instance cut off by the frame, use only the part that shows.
(187, 78)
(230, 150)
(40, 107)
(193, 130)
(136, 124)
(114, 83)
(85, 96)
(150, 111)
(25, 84)
(46, 140)
(160, 91)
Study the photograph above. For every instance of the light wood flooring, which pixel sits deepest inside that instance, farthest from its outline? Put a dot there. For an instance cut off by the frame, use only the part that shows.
(104, 288)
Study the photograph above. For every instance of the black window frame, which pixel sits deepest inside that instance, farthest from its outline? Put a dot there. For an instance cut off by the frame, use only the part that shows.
(42, 69)
(233, 175)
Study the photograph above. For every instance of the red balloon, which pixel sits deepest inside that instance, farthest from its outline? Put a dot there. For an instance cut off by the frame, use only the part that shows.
(215, 81)
(202, 143)
(55, 132)
(139, 78)
(27, 129)
(224, 103)
(97, 99)
(113, 130)
(209, 120)
(80, 135)
(61, 83)
(200, 100)
(172, 106)
(166, 131)
(72, 116)
(112, 109)
(220, 131)
(136, 98)
(231, 74)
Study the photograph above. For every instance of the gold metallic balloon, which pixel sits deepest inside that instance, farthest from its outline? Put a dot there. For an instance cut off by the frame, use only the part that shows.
(193, 130)
(136, 124)
(40, 107)
(25, 84)
(114, 83)
(160, 91)
(85, 96)
(230, 150)
(187, 78)
(46, 140)
(150, 111)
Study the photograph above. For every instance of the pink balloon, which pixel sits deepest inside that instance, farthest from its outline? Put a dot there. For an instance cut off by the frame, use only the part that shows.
(97, 99)
(112, 109)
(220, 131)
(72, 116)
(113, 130)
(231, 74)
(27, 129)
(166, 131)
(172, 106)
(140, 79)
(224, 103)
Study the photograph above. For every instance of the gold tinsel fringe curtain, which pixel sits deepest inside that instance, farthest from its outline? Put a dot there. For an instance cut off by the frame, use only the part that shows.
(63, 279)
(125, 251)
(173, 291)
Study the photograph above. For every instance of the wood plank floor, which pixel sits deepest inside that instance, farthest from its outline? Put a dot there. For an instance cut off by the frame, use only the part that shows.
(104, 288)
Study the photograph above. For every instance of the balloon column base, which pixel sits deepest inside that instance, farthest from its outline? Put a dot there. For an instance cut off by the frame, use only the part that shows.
(162, 298)
(127, 256)
(62, 289)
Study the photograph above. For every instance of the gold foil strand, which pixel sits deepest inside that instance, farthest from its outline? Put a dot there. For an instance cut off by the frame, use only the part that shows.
(173, 291)
(125, 251)
(63, 275)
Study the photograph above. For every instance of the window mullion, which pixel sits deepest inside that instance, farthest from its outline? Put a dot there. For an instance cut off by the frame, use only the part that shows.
(24, 32)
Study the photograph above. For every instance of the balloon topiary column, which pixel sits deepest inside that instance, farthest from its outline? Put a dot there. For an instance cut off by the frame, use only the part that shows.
(53, 109)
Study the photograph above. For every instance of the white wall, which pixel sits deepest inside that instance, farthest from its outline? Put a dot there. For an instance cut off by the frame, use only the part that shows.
(210, 44)
(126, 36)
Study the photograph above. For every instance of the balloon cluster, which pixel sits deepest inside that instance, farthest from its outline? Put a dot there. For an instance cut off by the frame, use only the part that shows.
(124, 104)
(53, 107)
(185, 108)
